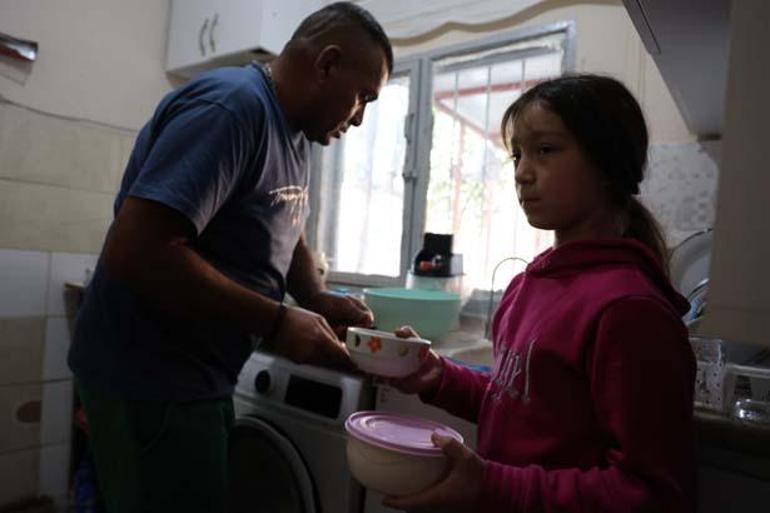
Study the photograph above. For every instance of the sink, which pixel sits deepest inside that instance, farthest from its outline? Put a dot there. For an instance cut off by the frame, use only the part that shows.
(477, 354)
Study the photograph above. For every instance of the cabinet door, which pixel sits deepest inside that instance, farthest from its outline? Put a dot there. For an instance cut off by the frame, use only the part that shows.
(266, 25)
(739, 290)
(202, 30)
(189, 26)
(689, 41)
(236, 26)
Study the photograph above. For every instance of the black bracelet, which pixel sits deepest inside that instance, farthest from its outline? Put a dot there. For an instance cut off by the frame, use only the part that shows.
(277, 321)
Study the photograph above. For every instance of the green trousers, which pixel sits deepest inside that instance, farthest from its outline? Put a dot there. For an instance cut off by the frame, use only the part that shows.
(154, 456)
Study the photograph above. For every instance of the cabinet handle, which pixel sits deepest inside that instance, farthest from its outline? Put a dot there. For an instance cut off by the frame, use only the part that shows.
(211, 32)
(201, 47)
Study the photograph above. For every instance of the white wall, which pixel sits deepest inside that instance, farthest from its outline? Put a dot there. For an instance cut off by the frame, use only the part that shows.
(67, 125)
(98, 59)
(100, 62)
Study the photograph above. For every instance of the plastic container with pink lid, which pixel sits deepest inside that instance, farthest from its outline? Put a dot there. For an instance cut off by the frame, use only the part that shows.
(394, 454)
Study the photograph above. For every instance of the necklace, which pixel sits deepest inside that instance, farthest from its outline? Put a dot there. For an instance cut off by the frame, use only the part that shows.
(269, 74)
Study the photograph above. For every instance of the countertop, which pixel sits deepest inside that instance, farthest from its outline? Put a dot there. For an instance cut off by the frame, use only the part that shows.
(725, 442)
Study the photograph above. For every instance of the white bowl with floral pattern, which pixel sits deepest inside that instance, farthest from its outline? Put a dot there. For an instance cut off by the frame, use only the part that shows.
(384, 354)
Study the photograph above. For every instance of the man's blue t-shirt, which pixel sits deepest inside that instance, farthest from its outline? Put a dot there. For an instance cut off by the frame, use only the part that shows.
(219, 151)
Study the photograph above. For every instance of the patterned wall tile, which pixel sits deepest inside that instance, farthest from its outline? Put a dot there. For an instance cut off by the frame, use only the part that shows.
(680, 187)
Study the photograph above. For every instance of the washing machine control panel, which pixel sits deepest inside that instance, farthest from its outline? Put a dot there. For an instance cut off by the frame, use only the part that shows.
(324, 395)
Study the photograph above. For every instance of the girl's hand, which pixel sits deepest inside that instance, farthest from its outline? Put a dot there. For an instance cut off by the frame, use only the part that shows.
(459, 491)
(427, 377)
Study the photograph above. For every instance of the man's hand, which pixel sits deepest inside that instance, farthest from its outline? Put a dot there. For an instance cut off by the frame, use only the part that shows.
(341, 311)
(427, 377)
(459, 491)
(306, 337)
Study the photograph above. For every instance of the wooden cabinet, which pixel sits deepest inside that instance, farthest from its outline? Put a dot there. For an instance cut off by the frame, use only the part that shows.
(209, 33)
(689, 41)
(739, 290)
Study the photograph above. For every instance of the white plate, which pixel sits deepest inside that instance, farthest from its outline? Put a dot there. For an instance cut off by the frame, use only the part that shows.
(690, 261)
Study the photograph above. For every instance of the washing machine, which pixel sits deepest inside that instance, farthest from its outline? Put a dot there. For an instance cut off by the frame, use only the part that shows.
(287, 447)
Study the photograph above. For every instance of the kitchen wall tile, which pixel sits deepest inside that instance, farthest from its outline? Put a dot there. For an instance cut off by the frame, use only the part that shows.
(23, 279)
(54, 472)
(66, 268)
(53, 218)
(45, 150)
(20, 416)
(680, 187)
(56, 415)
(57, 343)
(21, 349)
(19, 475)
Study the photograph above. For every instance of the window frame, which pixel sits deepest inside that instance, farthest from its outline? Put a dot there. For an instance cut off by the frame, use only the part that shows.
(418, 131)
(404, 67)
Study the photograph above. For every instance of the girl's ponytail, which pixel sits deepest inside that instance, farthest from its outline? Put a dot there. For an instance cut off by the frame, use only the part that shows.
(642, 226)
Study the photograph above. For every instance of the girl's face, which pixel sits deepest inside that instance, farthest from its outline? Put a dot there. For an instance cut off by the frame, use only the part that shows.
(558, 187)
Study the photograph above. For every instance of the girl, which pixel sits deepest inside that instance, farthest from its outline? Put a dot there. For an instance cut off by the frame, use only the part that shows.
(589, 405)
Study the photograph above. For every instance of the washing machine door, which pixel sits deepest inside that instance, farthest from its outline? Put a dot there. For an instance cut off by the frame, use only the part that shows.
(266, 472)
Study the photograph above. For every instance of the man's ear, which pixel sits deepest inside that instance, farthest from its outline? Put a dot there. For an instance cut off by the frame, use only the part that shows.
(328, 61)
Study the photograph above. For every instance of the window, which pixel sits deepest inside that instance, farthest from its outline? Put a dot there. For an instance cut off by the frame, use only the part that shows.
(429, 157)
(360, 225)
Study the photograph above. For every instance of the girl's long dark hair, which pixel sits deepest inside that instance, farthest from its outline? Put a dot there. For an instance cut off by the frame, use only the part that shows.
(608, 124)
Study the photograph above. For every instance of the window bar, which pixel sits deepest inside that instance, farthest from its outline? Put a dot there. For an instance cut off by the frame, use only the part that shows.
(455, 174)
(523, 81)
(487, 216)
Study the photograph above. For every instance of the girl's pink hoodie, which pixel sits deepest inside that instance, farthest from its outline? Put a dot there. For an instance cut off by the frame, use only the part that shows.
(589, 407)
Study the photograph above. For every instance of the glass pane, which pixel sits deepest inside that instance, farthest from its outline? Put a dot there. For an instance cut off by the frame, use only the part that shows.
(360, 222)
(472, 191)
(543, 67)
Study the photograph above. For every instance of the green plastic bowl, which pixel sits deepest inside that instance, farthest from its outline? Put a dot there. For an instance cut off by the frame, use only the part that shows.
(432, 313)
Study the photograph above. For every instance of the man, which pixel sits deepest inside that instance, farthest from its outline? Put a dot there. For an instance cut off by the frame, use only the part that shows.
(205, 243)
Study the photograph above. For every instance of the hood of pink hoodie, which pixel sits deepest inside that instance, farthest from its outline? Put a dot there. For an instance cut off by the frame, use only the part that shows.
(574, 257)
